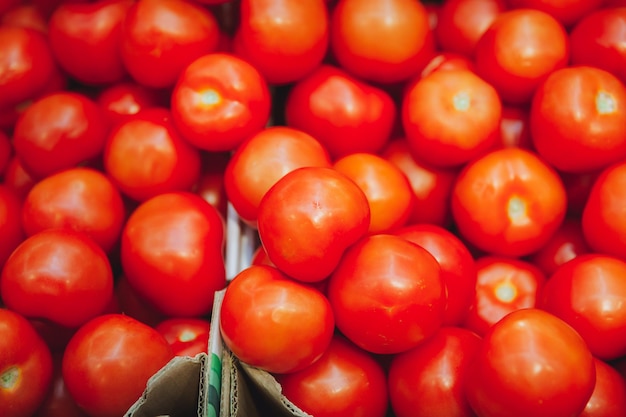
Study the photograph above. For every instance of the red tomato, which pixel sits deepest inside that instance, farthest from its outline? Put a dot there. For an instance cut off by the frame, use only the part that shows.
(146, 156)
(429, 380)
(387, 294)
(274, 323)
(530, 363)
(344, 113)
(122, 100)
(451, 117)
(25, 366)
(447, 61)
(80, 199)
(432, 186)
(387, 189)
(108, 361)
(218, 101)
(503, 285)
(262, 160)
(26, 65)
(566, 243)
(458, 269)
(518, 50)
(602, 223)
(284, 39)
(461, 23)
(186, 336)
(161, 37)
(16, 177)
(6, 152)
(85, 39)
(577, 119)
(10, 222)
(508, 202)
(597, 40)
(609, 395)
(59, 131)
(308, 219)
(58, 275)
(568, 12)
(25, 15)
(171, 253)
(589, 293)
(380, 40)
(345, 381)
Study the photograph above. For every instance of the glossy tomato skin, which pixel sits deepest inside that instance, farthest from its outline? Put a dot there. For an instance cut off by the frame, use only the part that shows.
(609, 395)
(530, 363)
(146, 156)
(58, 275)
(588, 292)
(25, 15)
(219, 100)
(25, 366)
(273, 322)
(345, 381)
(451, 117)
(285, 40)
(186, 336)
(387, 294)
(309, 218)
(155, 49)
(429, 380)
(568, 12)
(508, 202)
(59, 131)
(108, 361)
(85, 40)
(171, 253)
(11, 228)
(122, 100)
(586, 131)
(81, 199)
(518, 50)
(503, 285)
(602, 224)
(361, 36)
(344, 113)
(458, 269)
(262, 160)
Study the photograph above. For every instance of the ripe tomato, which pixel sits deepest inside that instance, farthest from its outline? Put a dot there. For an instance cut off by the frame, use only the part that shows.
(6, 152)
(381, 41)
(10, 224)
(432, 186)
(508, 202)
(568, 12)
(218, 101)
(503, 285)
(609, 395)
(461, 23)
(25, 366)
(344, 381)
(146, 156)
(344, 113)
(429, 380)
(387, 294)
(171, 253)
(596, 40)
(25, 15)
(285, 40)
(518, 50)
(262, 160)
(530, 363)
(186, 336)
(120, 101)
(458, 269)
(578, 119)
(273, 322)
(108, 361)
(588, 292)
(388, 191)
(308, 219)
(16, 177)
(447, 60)
(451, 117)
(58, 275)
(81, 199)
(161, 37)
(85, 39)
(602, 223)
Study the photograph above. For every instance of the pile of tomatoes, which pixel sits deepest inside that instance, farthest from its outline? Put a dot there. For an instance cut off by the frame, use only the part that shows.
(438, 190)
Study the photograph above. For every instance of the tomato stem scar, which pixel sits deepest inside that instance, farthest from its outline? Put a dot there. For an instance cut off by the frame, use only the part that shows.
(9, 378)
(461, 101)
(605, 103)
